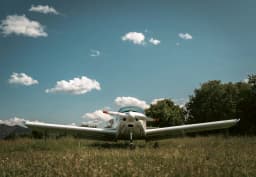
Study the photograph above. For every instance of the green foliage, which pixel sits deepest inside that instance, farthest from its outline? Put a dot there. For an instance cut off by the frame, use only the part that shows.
(252, 79)
(37, 134)
(246, 107)
(166, 112)
(215, 101)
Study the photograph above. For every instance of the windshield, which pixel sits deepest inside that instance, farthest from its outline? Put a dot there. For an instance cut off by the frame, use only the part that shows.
(132, 109)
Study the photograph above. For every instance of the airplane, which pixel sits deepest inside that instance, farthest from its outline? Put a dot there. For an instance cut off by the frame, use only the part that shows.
(131, 125)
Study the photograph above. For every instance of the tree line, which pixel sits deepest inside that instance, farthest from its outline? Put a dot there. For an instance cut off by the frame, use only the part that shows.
(213, 101)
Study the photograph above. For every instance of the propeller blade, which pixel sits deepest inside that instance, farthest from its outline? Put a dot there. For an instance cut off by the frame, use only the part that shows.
(149, 119)
(112, 113)
(130, 114)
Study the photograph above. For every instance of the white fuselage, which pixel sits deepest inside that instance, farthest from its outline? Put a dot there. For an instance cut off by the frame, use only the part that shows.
(131, 126)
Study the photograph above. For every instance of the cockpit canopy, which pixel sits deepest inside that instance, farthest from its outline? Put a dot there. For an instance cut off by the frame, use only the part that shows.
(131, 109)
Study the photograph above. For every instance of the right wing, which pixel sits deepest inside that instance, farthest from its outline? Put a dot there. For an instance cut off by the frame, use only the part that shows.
(85, 132)
(167, 132)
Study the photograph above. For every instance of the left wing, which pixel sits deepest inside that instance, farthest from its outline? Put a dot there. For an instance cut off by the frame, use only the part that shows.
(85, 132)
(167, 132)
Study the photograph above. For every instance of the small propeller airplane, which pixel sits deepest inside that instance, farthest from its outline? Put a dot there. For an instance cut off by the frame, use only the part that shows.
(131, 125)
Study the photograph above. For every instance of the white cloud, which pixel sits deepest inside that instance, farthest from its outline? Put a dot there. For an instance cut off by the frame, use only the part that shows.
(93, 123)
(95, 53)
(45, 9)
(135, 37)
(16, 121)
(75, 86)
(98, 119)
(185, 36)
(177, 44)
(154, 41)
(246, 80)
(156, 100)
(97, 115)
(21, 25)
(181, 102)
(131, 101)
(22, 79)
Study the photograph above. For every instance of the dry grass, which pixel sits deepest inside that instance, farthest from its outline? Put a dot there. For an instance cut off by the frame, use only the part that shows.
(201, 156)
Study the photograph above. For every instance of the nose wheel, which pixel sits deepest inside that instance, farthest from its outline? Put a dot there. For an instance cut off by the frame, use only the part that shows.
(131, 145)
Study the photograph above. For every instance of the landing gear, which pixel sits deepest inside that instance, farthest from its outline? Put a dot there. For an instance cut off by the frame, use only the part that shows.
(131, 145)
(156, 145)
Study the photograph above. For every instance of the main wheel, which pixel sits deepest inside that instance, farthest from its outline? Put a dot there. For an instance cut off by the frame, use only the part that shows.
(132, 146)
(156, 145)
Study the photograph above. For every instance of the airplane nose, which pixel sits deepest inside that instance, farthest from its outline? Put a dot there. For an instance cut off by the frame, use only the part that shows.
(130, 114)
(130, 119)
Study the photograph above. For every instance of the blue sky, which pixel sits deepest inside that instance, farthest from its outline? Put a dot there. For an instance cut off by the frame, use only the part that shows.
(113, 53)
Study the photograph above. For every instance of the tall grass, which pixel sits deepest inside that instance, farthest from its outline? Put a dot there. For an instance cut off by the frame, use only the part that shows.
(200, 156)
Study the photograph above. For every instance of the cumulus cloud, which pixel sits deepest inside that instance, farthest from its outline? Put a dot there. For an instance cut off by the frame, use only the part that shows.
(246, 80)
(22, 79)
(134, 37)
(16, 121)
(21, 25)
(76, 86)
(45, 9)
(98, 119)
(131, 101)
(185, 36)
(154, 41)
(97, 115)
(95, 53)
(154, 101)
(181, 102)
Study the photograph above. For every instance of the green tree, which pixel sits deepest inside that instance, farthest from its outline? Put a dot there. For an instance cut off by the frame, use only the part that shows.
(246, 106)
(213, 101)
(252, 79)
(166, 112)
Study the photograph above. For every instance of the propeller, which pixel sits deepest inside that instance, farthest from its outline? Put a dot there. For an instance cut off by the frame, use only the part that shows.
(112, 113)
(135, 115)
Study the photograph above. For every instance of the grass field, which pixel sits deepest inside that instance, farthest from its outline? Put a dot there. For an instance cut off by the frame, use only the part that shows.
(200, 156)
